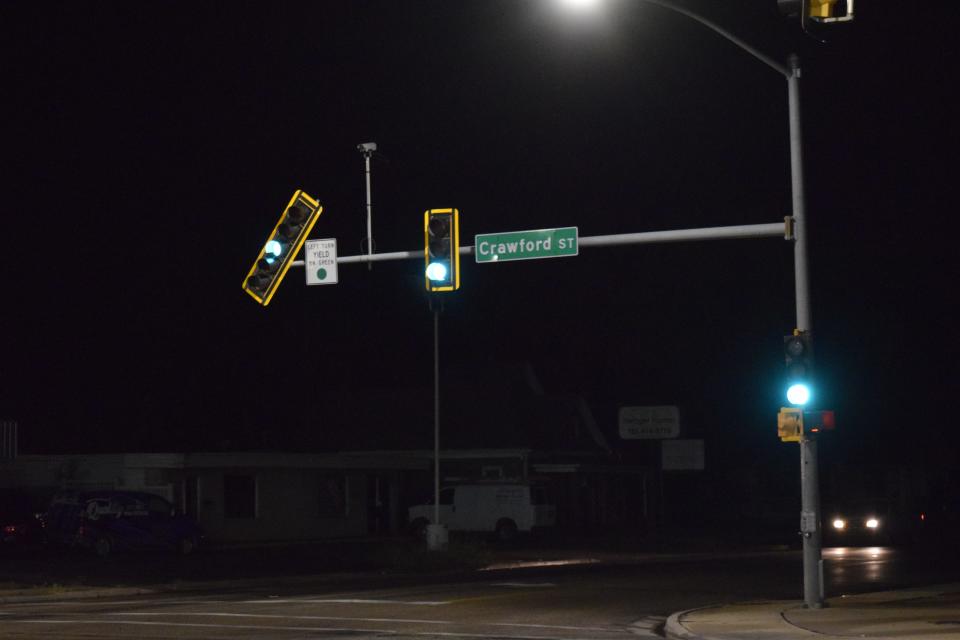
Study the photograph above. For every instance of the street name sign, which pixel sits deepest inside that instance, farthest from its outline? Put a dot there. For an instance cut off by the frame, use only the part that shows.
(649, 423)
(526, 245)
(320, 260)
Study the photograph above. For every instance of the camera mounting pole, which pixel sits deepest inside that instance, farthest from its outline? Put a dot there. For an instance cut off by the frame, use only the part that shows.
(367, 149)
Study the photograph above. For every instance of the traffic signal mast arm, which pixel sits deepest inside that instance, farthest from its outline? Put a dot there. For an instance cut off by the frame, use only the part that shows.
(770, 230)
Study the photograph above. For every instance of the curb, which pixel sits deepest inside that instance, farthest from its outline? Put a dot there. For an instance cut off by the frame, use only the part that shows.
(675, 630)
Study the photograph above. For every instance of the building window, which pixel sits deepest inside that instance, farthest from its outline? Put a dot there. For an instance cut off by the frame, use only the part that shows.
(332, 502)
(490, 472)
(240, 496)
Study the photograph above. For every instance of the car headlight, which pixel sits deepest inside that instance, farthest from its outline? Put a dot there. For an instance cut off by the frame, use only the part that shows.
(839, 523)
(872, 523)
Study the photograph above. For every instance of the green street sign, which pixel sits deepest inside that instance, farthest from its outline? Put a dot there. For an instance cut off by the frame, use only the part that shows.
(526, 245)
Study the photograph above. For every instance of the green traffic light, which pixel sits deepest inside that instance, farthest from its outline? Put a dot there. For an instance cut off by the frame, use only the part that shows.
(437, 271)
(272, 251)
(798, 394)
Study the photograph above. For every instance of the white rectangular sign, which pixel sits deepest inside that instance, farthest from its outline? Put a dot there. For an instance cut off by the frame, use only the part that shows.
(682, 455)
(649, 423)
(320, 261)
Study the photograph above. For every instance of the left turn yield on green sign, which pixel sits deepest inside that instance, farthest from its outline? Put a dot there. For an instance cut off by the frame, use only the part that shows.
(320, 261)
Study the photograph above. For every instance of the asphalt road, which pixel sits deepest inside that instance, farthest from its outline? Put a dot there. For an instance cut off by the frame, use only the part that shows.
(599, 601)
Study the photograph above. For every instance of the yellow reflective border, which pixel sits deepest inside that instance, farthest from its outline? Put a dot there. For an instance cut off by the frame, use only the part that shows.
(454, 250)
(315, 211)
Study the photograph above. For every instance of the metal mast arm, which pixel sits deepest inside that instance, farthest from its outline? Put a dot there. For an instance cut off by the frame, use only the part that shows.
(759, 55)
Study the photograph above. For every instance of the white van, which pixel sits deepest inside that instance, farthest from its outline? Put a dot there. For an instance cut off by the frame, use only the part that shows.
(503, 509)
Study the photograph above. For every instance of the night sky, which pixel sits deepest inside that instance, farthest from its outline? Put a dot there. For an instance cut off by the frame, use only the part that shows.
(149, 148)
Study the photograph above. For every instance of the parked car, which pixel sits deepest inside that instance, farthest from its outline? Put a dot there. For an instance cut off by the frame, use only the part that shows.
(20, 522)
(502, 509)
(108, 521)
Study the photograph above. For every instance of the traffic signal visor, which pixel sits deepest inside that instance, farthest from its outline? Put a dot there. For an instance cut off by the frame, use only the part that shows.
(441, 239)
(281, 247)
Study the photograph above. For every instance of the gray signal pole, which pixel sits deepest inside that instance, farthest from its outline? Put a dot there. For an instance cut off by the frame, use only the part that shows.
(809, 481)
(437, 535)
(813, 596)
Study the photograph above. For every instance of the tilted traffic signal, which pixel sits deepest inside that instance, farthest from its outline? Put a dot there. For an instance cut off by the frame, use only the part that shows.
(281, 247)
(798, 355)
(441, 252)
(817, 11)
(790, 424)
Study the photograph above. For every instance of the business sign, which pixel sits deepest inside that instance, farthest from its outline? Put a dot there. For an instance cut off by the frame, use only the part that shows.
(682, 455)
(649, 423)
(320, 261)
(526, 245)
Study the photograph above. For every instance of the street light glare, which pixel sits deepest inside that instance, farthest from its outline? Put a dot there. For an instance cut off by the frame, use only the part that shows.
(581, 6)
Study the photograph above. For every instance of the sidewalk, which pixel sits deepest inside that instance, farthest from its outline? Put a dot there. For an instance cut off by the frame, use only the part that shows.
(915, 614)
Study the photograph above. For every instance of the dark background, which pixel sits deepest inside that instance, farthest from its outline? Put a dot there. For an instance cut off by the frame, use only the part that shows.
(150, 147)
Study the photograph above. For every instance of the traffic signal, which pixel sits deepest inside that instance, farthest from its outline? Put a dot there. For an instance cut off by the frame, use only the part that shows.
(819, 11)
(798, 356)
(441, 252)
(790, 424)
(281, 247)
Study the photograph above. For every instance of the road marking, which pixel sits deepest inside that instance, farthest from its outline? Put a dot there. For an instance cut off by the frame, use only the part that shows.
(274, 615)
(200, 625)
(414, 603)
(351, 619)
(550, 626)
(527, 564)
(112, 603)
(648, 626)
(521, 585)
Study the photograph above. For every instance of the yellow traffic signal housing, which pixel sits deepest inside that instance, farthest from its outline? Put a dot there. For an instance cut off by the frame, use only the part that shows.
(817, 11)
(441, 249)
(790, 424)
(829, 10)
(281, 247)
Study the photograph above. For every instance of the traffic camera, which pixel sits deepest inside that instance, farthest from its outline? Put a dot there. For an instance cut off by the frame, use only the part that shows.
(281, 247)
